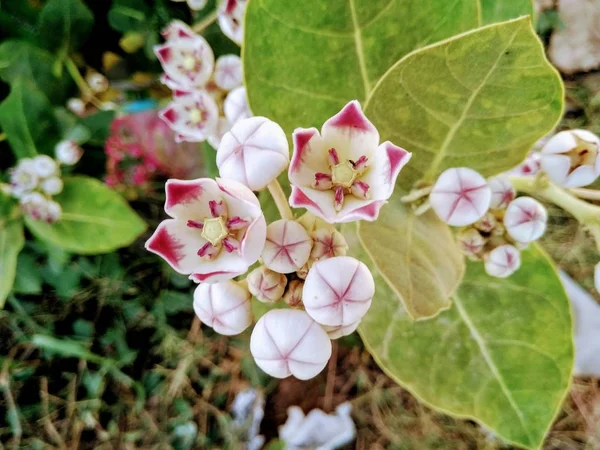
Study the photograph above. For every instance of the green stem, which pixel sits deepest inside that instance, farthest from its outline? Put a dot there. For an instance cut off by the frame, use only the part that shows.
(587, 194)
(280, 200)
(208, 20)
(586, 213)
(84, 88)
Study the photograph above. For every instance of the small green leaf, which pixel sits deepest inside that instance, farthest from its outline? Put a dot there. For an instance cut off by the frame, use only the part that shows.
(27, 118)
(416, 255)
(95, 219)
(304, 60)
(480, 100)
(22, 61)
(65, 24)
(66, 348)
(493, 11)
(128, 15)
(28, 278)
(12, 241)
(502, 354)
(98, 125)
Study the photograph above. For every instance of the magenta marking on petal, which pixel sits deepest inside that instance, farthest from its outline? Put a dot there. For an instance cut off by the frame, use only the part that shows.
(203, 277)
(334, 159)
(361, 163)
(322, 181)
(230, 6)
(300, 199)
(237, 223)
(360, 189)
(165, 246)
(214, 209)
(231, 244)
(369, 211)
(301, 138)
(195, 224)
(397, 157)
(338, 197)
(204, 250)
(169, 115)
(178, 93)
(163, 53)
(181, 192)
(351, 116)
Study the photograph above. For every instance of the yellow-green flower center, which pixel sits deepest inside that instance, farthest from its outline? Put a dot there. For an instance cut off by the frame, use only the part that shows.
(343, 174)
(214, 230)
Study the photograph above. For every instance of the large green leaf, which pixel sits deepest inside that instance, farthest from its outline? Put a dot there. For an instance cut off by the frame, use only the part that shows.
(502, 354)
(27, 118)
(11, 243)
(493, 11)
(95, 219)
(65, 24)
(304, 60)
(417, 256)
(128, 15)
(480, 100)
(21, 61)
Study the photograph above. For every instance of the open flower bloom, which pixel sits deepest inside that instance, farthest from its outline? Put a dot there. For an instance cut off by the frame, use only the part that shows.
(176, 29)
(288, 342)
(187, 60)
(572, 158)
(503, 261)
(460, 196)
(216, 232)
(343, 174)
(338, 291)
(192, 115)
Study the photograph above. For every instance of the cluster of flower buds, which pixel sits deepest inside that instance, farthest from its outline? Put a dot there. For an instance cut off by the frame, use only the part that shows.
(141, 146)
(494, 225)
(33, 181)
(98, 84)
(208, 96)
(217, 231)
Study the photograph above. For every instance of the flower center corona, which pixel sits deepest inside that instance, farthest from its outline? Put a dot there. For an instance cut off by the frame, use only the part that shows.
(215, 230)
(343, 174)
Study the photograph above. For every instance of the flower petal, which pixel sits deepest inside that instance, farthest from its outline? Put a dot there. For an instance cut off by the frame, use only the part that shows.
(356, 209)
(320, 203)
(351, 133)
(253, 241)
(240, 200)
(188, 62)
(193, 117)
(309, 157)
(189, 199)
(384, 169)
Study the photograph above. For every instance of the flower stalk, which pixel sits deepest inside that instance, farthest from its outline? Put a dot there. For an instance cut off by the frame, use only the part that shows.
(280, 200)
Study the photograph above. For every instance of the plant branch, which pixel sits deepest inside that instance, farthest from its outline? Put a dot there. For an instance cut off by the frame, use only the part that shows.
(280, 200)
(84, 88)
(199, 27)
(586, 213)
(586, 194)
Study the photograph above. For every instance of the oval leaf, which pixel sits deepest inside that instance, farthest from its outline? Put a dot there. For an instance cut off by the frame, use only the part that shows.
(493, 11)
(65, 24)
(12, 240)
(480, 100)
(501, 355)
(27, 118)
(305, 60)
(416, 255)
(95, 219)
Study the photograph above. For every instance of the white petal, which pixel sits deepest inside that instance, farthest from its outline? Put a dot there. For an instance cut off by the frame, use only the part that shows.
(231, 19)
(562, 142)
(581, 176)
(223, 306)
(196, 5)
(320, 203)
(384, 169)
(503, 261)
(223, 127)
(341, 330)
(288, 342)
(460, 196)
(597, 277)
(287, 248)
(503, 192)
(175, 55)
(189, 199)
(556, 167)
(309, 157)
(338, 291)
(236, 106)
(254, 152)
(525, 219)
(193, 116)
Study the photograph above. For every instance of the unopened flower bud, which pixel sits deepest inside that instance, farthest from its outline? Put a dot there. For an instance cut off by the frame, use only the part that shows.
(338, 291)
(98, 83)
(35, 205)
(266, 285)
(224, 306)
(235, 106)
(327, 243)
(68, 152)
(45, 166)
(487, 223)
(76, 106)
(288, 342)
(254, 152)
(52, 185)
(525, 219)
(23, 178)
(228, 72)
(342, 330)
(503, 261)
(597, 277)
(293, 294)
(460, 196)
(530, 166)
(53, 211)
(503, 192)
(287, 248)
(470, 241)
(572, 158)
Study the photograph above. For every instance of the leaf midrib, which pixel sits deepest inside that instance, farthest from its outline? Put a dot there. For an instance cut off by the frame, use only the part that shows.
(481, 343)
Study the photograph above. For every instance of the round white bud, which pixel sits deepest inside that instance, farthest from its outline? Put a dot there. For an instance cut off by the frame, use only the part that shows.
(288, 342)
(235, 106)
(98, 83)
(503, 192)
(470, 241)
(525, 219)
(224, 306)
(327, 243)
(342, 330)
(254, 152)
(293, 294)
(228, 72)
(266, 285)
(287, 247)
(45, 166)
(76, 106)
(503, 261)
(53, 211)
(460, 196)
(338, 291)
(68, 152)
(52, 185)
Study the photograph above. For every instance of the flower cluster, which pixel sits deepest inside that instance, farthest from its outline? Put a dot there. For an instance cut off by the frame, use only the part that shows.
(33, 181)
(208, 96)
(141, 146)
(494, 225)
(217, 231)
